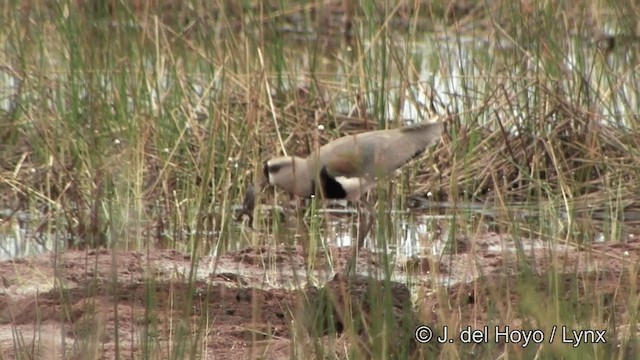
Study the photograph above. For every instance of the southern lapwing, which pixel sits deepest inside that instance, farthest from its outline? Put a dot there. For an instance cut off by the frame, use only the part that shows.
(349, 167)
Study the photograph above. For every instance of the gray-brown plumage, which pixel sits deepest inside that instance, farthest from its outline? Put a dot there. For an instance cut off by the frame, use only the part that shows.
(348, 167)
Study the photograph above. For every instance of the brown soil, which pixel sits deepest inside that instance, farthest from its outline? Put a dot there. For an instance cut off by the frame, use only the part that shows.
(251, 303)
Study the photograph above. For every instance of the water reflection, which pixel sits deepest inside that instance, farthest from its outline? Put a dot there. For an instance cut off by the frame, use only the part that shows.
(18, 240)
(403, 234)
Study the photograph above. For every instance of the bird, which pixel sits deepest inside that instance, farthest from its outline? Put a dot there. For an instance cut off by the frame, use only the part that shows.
(350, 166)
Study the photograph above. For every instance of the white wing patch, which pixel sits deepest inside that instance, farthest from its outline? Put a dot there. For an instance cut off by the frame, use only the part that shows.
(353, 186)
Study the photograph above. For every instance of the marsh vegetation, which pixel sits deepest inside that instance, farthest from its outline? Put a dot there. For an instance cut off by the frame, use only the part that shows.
(129, 132)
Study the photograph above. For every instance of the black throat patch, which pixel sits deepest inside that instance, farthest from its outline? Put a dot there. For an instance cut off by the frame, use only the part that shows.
(330, 188)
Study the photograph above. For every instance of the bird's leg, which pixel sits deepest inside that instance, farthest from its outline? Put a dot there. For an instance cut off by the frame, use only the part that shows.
(364, 224)
(314, 231)
(364, 227)
(302, 228)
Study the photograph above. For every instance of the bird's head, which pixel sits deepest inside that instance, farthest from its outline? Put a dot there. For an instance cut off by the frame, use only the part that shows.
(289, 173)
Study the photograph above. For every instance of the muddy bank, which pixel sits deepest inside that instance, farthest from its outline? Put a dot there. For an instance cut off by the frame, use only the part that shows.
(255, 302)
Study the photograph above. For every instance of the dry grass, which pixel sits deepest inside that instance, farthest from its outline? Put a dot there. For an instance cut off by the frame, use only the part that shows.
(139, 125)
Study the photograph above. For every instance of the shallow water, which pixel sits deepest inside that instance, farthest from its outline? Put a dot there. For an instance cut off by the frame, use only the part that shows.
(418, 232)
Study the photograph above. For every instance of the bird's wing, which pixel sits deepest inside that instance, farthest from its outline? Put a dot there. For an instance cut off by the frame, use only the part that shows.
(402, 145)
(378, 153)
(349, 156)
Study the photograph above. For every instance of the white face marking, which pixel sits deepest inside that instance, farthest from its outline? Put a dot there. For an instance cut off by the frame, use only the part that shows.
(272, 180)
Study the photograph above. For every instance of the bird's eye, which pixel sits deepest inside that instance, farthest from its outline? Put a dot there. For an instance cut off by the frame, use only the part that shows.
(270, 169)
